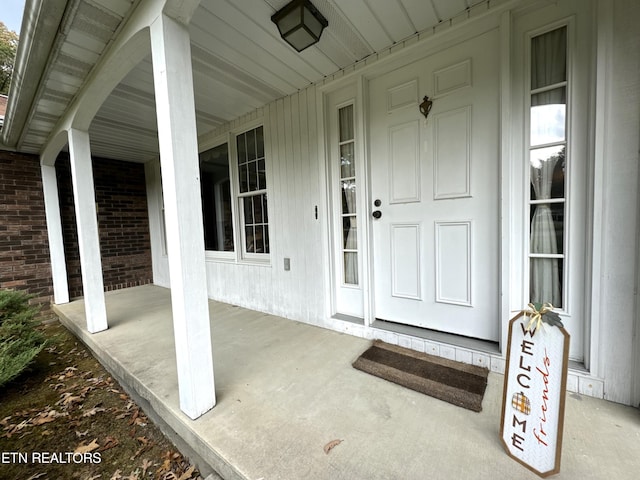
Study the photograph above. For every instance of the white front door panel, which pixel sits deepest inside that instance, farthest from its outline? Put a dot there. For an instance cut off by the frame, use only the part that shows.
(436, 245)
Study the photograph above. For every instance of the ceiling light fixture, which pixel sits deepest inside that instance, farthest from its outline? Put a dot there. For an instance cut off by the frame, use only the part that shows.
(300, 24)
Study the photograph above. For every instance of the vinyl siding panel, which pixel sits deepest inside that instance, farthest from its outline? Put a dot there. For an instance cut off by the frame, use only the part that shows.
(293, 180)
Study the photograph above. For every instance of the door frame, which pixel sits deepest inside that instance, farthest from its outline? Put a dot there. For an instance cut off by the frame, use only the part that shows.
(359, 79)
(447, 39)
(328, 174)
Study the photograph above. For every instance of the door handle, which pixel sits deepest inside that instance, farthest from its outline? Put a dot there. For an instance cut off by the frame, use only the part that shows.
(376, 214)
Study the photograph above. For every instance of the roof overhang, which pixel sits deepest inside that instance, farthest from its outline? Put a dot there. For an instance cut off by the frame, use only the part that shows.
(240, 62)
(41, 23)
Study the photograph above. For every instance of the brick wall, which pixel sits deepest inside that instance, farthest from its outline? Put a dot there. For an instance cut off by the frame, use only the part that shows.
(122, 221)
(24, 251)
(123, 224)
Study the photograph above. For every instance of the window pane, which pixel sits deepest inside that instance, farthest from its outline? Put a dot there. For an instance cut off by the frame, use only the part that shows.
(264, 208)
(242, 148)
(216, 199)
(262, 175)
(548, 117)
(347, 165)
(251, 144)
(351, 268)
(547, 172)
(266, 238)
(545, 283)
(249, 238)
(253, 176)
(345, 119)
(348, 196)
(547, 228)
(257, 209)
(549, 58)
(349, 233)
(242, 178)
(260, 142)
(248, 211)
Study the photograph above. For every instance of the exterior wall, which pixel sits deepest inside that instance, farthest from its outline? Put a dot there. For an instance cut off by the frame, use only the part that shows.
(294, 183)
(24, 251)
(122, 222)
(620, 147)
(297, 183)
(122, 218)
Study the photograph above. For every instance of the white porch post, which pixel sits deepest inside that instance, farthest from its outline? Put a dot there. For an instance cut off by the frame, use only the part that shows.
(54, 232)
(175, 110)
(87, 222)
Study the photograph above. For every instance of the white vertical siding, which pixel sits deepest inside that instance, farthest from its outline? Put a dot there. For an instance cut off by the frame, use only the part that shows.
(619, 224)
(296, 185)
(293, 193)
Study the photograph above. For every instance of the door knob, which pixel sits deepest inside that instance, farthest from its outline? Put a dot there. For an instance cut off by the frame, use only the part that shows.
(377, 202)
(376, 214)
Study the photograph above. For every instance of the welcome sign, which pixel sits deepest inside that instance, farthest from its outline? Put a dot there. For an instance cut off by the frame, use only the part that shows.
(534, 392)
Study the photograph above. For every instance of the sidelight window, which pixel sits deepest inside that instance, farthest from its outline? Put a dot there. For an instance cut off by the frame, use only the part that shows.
(346, 145)
(548, 166)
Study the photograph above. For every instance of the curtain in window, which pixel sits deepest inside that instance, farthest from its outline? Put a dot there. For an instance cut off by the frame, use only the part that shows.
(348, 183)
(349, 225)
(548, 67)
(545, 278)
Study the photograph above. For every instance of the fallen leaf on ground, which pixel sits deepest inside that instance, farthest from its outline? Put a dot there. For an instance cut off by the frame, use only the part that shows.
(93, 411)
(68, 399)
(87, 448)
(37, 475)
(45, 417)
(186, 475)
(109, 442)
(331, 445)
(146, 463)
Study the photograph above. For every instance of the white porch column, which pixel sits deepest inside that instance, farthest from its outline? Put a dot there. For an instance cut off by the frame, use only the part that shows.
(87, 223)
(178, 141)
(54, 232)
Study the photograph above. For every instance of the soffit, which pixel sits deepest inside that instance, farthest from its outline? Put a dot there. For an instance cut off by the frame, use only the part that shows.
(239, 62)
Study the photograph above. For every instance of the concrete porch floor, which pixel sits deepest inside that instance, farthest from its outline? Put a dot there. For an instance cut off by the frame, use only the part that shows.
(285, 389)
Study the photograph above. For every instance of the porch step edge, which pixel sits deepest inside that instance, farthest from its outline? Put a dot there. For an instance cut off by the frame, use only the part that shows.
(212, 466)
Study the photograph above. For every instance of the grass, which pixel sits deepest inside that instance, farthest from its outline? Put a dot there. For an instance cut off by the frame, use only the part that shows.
(66, 418)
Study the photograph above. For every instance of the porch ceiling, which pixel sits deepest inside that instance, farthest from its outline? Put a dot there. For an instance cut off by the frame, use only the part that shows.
(239, 63)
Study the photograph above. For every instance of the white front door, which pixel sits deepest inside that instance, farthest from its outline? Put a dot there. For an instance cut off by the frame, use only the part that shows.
(436, 243)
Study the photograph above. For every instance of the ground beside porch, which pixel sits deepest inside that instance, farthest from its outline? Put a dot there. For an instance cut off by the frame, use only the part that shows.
(285, 389)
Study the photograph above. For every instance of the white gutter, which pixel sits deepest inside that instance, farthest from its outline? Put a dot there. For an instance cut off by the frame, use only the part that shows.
(40, 25)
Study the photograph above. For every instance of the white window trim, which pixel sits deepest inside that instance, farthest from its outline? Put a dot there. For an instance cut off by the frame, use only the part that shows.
(242, 256)
(239, 255)
(217, 255)
(567, 255)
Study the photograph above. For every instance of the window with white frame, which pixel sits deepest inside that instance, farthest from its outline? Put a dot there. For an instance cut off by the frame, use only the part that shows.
(548, 166)
(252, 192)
(234, 212)
(215, 185)
(346, 145)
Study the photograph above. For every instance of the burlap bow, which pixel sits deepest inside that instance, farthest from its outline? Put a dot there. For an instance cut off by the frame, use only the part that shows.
(539, 313)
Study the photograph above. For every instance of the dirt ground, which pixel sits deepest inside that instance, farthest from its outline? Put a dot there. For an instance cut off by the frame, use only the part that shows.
(66, 418)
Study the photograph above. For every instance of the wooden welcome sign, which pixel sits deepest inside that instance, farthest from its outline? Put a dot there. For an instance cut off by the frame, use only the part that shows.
(535, 384)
